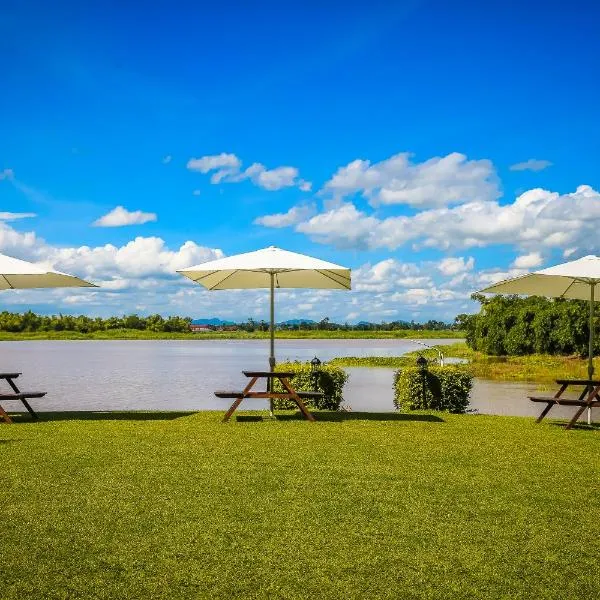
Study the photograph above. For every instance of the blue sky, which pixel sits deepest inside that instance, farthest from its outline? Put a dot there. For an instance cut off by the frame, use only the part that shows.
(131, 104)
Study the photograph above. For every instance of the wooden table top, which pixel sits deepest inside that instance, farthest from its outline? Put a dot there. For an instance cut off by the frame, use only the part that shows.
(593, 382)
(269, 374)
(9, 375)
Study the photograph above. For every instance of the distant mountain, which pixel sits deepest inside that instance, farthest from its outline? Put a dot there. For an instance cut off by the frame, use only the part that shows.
(214, 321)
(365, 323)
(297, 322)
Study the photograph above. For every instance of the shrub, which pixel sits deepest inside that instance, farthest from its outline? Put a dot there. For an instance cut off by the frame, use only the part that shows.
(329, 379)
(437, 388)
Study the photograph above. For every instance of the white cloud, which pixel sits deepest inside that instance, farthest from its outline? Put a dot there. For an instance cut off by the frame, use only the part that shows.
(196, 193)
(6, 174)
(167, 159)
(227, 169)
(120, 216)
(439, 181)
(454, 266)
(537, 218)
(295, 215)
(531, 165)
(11, 216)
(528, 261)
(213, 162)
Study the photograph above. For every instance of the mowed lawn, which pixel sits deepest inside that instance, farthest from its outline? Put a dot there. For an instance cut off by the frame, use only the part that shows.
(354, 506)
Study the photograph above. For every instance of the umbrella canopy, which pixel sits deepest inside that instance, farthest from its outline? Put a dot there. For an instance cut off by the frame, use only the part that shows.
(576, 280)
(269, 268)
(20, 274)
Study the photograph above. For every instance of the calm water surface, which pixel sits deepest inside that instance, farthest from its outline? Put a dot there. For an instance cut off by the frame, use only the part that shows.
(182, 375)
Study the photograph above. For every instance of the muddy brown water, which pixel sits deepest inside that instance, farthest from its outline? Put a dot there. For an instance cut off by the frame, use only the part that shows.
(182, 374)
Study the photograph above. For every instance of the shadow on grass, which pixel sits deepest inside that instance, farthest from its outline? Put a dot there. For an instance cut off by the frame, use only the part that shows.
(89, 415)
(581, 426)
(339, 416)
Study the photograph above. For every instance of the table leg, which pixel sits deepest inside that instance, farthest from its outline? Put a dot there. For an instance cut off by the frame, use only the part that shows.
(16, 390)
(558, 394)
(238, 401)
(592, 395)
(545, 411)
(286, 384)
(5, 416)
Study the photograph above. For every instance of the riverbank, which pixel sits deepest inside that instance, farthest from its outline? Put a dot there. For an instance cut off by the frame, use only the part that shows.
(539, 368)
(167, 505)
(135, 334)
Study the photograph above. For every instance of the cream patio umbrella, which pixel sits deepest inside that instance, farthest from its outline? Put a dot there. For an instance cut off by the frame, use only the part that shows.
(269, 268)
(18, 274)
(575, 280)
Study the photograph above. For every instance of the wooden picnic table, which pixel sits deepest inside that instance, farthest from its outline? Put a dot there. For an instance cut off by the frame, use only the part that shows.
(17, 394)
(283, 376)
(588, 398)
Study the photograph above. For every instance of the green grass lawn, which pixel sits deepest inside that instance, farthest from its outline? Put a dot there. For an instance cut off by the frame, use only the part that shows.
(431, 505)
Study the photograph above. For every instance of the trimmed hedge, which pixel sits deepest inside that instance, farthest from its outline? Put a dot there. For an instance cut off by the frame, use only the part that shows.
(330, 381)
(437, 388)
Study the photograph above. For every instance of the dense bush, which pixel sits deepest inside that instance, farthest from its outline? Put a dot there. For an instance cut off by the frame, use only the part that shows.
(29, 321)
(511, 325)
(329, 379)
(437, 388)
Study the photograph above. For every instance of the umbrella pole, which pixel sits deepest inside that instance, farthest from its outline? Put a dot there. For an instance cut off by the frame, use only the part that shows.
(272, 332)
(591, 346)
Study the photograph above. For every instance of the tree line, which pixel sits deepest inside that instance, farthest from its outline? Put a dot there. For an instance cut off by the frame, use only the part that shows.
(511, 325)
(30, 321)
(326, 325)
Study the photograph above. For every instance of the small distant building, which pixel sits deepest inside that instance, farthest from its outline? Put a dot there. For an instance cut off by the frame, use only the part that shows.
(229, 328)
(201, 328)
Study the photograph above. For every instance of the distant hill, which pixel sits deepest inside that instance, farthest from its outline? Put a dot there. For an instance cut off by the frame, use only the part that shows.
(297, 322)
(214, 321)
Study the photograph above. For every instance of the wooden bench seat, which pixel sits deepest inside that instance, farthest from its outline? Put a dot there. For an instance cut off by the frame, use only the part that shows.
(229, 394)
(564, 401)
(22, 395)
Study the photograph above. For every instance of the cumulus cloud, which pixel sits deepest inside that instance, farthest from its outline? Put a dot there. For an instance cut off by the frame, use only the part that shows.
(295, 215)
(120, 216)
(196, 193)
(6, 174)
(439, 181)
(227, 169)
(388, 275)
(167, 159)
(528, 261)
(531, 165)
(213, 162)
(537, 218)
(11, 216)
(454, 266)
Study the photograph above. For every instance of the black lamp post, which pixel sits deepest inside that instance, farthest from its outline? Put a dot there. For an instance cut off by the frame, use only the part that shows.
(315, 363)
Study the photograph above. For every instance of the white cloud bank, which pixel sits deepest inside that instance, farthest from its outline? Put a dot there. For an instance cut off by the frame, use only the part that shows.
(120, 217)
(11, 216)
(532, 164)
(227, 169)
(439, 181)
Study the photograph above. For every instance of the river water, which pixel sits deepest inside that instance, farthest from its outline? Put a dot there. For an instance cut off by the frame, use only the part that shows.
(183, 374)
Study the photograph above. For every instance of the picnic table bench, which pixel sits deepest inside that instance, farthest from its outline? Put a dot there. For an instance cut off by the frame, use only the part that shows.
(17, 394)
(284, 377)
(588, 398)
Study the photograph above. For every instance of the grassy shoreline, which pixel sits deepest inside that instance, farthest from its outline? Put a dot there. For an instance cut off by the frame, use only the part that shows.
(134, 334)
(538, 368)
